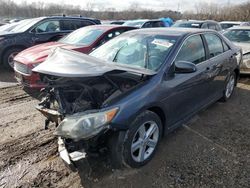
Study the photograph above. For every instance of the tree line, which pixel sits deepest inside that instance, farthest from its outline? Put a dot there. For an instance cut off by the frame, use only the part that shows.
(10, 9)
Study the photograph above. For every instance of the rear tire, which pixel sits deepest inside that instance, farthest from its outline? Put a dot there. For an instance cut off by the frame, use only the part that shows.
(8, 58)
(229, 89)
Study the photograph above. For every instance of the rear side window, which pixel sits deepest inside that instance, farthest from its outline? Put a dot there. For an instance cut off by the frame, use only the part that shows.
(157, 24)
(192, 50)
(86, 23)
(215, 46)
(211, 26)
(204, 26)
(147, 25)
(110, 35)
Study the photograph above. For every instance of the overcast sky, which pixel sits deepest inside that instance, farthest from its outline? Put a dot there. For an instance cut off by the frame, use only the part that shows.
(183, 5)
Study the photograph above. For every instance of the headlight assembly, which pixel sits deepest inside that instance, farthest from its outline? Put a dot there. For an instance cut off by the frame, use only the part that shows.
(83, 126)
(246, 61)
(246, 56)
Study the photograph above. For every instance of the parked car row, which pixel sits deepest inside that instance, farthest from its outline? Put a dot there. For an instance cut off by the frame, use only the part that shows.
(35, 31)
(17, 36)
(83, 40)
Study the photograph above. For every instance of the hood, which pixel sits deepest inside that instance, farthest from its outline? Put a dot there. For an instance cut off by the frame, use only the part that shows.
(40, 52)
(67, 63)
(245, 46)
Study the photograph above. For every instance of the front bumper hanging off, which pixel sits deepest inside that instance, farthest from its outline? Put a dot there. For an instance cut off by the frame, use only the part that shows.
(70, 158)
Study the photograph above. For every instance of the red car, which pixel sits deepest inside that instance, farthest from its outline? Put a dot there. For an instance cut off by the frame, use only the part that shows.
(83, 40)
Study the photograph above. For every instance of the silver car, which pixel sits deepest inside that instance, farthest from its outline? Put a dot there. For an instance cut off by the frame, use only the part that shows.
(240, 36)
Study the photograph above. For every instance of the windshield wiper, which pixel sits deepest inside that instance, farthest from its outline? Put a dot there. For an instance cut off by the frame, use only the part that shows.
(116, 54)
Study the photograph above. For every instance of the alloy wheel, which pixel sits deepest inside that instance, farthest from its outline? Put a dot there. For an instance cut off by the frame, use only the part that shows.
(145, 141)
(230, 86)
(11, 59)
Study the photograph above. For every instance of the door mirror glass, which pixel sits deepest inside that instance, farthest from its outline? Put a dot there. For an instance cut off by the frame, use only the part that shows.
(184, 67)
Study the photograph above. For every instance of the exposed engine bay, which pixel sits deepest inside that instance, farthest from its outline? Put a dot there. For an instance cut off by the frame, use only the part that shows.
(66, 96)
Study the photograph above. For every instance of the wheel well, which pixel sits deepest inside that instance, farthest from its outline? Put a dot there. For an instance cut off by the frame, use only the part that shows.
(161, 114)
(19, 46)
(237, 72)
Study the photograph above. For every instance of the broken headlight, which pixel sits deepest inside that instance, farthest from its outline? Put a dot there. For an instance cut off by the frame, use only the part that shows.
(83, 126)
(246, 60)
(246, 56)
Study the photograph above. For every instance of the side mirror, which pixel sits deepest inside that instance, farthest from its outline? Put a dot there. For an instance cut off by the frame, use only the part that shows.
(185, 67)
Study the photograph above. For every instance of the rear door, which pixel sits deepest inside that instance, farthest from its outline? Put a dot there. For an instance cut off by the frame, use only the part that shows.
(190, 91)
(219, 58)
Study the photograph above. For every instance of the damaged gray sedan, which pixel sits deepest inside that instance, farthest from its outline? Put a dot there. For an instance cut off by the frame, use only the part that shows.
(134, 89)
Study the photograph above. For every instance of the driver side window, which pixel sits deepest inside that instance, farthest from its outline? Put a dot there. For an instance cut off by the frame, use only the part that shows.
(48, 27)
(192, 50)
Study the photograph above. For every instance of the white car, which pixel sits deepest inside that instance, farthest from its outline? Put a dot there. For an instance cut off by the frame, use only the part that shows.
(240, 36)
(228, 24)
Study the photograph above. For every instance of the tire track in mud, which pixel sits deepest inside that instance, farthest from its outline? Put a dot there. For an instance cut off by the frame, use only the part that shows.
(26, 150)
(36, 146)
(13, 95)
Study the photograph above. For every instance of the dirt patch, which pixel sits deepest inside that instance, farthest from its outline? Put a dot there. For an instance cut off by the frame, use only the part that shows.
(212, 150)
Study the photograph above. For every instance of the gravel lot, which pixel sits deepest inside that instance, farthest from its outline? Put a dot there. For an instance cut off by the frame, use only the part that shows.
(212, 150)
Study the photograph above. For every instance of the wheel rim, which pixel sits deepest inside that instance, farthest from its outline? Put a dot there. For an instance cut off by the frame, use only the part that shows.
(230, 86)
(145, 141)
(11, 59)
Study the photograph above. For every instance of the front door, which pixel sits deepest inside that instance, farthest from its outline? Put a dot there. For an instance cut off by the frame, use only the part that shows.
(188, 91)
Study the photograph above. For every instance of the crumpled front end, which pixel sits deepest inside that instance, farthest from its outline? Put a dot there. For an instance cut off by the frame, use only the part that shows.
(81, 99)
(83, 110)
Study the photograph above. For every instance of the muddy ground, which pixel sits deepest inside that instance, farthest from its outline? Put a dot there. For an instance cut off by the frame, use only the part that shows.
(212, 150)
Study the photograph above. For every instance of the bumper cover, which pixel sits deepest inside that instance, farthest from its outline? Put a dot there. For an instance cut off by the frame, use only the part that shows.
(70, 158)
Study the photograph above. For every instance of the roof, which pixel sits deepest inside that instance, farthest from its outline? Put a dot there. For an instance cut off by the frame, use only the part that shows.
(107, 27)
(172, 31)
(71, 17)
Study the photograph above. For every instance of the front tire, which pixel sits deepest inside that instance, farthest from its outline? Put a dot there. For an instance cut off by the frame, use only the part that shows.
(139, 143)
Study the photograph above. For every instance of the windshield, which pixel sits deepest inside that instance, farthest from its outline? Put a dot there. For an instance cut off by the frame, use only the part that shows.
(8, 27)
(187, 24)
(83, 36)
(142, 51)
(238, 35)
(134, 23)
(25, 25)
